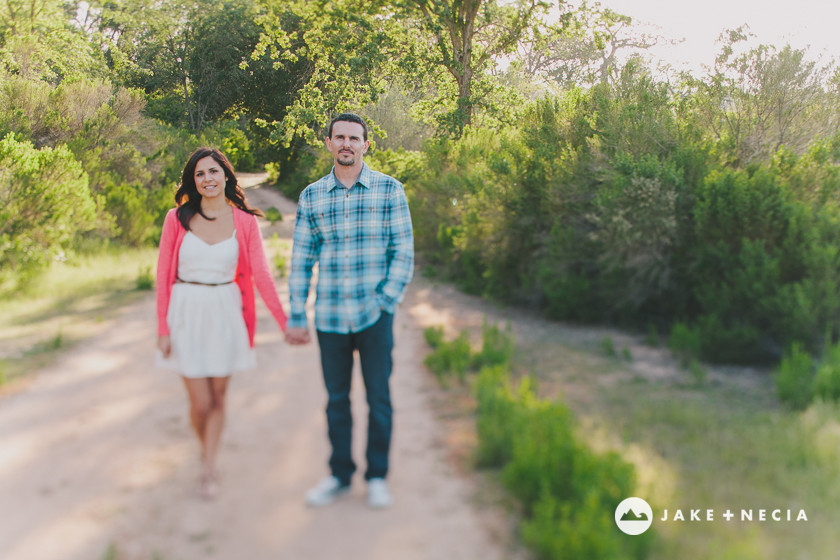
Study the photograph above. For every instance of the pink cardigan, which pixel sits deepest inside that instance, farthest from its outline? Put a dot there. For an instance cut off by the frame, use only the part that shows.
(251, 270)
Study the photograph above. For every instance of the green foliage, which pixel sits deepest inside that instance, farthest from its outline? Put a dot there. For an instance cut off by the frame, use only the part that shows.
(451, 358)
(684, 342)
(273, 215)
(496, 416)
(456, 358)
(434, 336)
(497, 346)
(827, 376)
(44, 203)
(543, 456)
(233, 141)
(39, 42)
(568, 491)
(343, 49)
(795, 377)
(145, 279)
(698, 372)
(190, 82)
(281, 263)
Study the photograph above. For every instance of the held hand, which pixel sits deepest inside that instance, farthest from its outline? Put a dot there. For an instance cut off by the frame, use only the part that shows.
(297, 336)
(165, 345)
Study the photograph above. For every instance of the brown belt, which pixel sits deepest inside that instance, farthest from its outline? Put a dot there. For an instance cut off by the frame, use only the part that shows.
(179, 281)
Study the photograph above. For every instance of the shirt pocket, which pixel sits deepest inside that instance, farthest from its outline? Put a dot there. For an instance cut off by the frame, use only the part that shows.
(324, 223)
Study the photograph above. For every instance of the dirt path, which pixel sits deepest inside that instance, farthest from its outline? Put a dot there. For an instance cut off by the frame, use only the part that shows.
(97, 459)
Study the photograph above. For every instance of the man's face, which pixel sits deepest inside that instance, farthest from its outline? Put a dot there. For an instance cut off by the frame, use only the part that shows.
(347, 144)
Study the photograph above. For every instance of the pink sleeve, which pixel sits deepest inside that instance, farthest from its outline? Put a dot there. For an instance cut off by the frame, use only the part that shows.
(164, 288)
(263, 279)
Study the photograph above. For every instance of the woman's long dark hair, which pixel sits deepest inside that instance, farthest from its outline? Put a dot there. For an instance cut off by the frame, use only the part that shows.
(189, 200)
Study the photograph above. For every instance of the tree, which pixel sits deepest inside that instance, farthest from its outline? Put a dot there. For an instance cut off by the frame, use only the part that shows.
(583, 47)
(38, 41)
(186, 55)
(338, 51)
(468, 35)
(44, 203)
(762, 99)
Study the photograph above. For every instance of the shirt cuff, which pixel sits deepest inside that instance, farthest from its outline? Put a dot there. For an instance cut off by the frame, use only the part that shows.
(297, 321)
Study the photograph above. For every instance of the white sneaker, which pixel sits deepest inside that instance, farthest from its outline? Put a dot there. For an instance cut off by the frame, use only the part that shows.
(326, 492)
(378, 494)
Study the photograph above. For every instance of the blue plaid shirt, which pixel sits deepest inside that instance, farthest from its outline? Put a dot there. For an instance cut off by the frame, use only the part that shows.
(361, 239)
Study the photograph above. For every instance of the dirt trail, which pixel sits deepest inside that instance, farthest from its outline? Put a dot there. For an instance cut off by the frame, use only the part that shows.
(96, 454)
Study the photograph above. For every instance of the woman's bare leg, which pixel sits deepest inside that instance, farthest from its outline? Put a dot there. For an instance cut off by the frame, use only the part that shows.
(207, 416)
(215, 424)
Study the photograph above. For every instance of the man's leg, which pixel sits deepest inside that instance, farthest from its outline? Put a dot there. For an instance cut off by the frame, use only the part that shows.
(375, 345)
(337, 365)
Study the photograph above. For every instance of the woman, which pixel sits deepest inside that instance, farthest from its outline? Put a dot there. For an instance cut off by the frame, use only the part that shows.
(211, 257)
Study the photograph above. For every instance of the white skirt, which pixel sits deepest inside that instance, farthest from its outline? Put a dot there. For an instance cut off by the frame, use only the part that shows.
(208, 333)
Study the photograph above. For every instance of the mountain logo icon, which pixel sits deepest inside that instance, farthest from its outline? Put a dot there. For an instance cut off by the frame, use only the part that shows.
(633, 516)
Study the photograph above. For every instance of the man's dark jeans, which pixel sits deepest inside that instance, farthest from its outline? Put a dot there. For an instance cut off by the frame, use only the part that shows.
(374, 345)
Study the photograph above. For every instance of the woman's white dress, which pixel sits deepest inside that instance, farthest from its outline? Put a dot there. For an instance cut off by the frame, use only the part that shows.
(208, 333)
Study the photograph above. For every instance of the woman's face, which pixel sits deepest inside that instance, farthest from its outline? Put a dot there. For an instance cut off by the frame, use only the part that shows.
(209, 178)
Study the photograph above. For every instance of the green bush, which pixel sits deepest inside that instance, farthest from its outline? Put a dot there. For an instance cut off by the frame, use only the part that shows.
(281, 264)
(795, 378)
(434, 336)
(684, 342)
(827, 376)
(543, 457)
(45, 203)
(145, 279)
(273, 215)
(584, 531)
(451, 358)
(567, 491)
(497, 347)
(496, 416)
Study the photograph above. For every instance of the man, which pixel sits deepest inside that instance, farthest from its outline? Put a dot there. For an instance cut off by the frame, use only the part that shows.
(356, 225)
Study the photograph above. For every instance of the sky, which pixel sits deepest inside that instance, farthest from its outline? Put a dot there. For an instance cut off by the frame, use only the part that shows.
(811, 24)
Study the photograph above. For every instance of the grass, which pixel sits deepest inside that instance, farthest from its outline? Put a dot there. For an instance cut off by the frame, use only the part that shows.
(68, 302)
(708, 439)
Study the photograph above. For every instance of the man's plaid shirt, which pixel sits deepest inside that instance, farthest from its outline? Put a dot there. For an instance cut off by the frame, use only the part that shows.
(361, 239)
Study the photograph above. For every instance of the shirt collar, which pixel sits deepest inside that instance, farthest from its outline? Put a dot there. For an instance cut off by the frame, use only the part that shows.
(363, 180)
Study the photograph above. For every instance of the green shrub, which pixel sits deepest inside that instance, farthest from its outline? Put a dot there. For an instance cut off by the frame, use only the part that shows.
(281, 264)
(145, 279)
(827, 377)
(579, 531)
(273, 215)
(497, 347)
(684, 342)
(45, 202)
(451, 358)
(795, 378)
(496, 416)
(698, 372)
(543, 453)
(434, 336)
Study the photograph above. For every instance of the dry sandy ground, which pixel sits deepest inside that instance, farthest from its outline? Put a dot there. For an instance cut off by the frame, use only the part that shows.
(97, 459)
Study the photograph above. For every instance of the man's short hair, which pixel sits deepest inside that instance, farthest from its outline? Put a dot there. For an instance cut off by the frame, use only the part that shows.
(348, 117)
